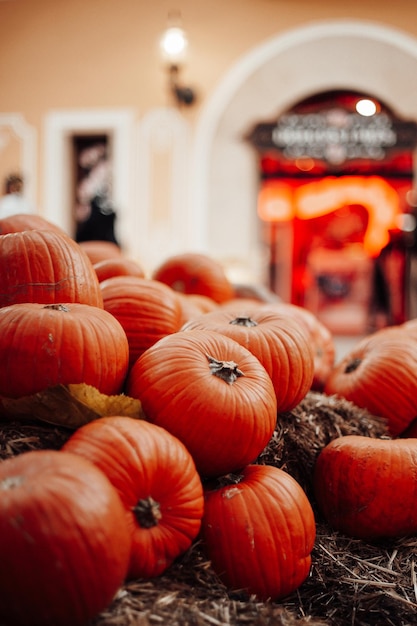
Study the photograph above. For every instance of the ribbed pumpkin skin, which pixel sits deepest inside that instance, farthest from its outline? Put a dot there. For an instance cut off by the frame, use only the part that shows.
(321, 339)
(224, 425)
(367, 487)
(64, 541)
(195, 273)
(46, 345)
(280, 344)
(379, 374)
(144, 461)
(259, 533)
(47, 267)
(26, 221)
(147, 309)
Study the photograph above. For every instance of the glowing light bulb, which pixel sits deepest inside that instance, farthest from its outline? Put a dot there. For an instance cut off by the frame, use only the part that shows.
(174, 44)
(366, 107)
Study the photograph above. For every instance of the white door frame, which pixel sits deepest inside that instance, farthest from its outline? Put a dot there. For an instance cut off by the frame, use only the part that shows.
(26, 134)
(59, 127)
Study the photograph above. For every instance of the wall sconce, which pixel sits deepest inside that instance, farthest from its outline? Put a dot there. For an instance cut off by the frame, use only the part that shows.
(174, 45)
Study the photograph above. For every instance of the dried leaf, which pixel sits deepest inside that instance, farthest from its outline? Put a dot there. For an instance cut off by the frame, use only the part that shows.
(70, 406)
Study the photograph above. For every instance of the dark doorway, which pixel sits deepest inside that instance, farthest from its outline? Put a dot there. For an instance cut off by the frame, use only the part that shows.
(94, 214)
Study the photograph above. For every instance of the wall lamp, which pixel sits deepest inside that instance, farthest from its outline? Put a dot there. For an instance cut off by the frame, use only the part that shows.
(174, 46)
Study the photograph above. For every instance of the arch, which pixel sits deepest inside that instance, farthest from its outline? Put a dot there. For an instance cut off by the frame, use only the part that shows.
(335, 54)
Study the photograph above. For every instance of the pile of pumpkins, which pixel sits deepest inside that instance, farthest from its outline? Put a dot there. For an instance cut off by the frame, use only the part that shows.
(213, 370)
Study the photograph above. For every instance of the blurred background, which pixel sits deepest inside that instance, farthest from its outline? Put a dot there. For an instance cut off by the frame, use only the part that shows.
(278, 136)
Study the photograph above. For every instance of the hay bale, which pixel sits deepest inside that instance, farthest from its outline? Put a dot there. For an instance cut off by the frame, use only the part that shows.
(351, 581)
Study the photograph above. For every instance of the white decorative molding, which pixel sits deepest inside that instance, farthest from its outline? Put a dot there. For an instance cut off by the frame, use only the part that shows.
(163, 133)
(26, 134)
(59, 126)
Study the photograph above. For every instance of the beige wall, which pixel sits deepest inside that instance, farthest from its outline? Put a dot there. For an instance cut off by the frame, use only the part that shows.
(91, 55)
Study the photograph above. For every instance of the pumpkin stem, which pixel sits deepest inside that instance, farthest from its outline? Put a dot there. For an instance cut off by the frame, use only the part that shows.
(56, 307)
(226, 370)
(147, 512)
(352, 365)
(229, 479)
(244, 320)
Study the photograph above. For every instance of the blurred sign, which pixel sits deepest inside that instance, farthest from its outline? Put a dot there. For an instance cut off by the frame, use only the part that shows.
(334, 136)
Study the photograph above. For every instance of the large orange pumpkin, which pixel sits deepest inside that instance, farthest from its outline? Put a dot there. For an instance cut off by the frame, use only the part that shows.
(26, 221)
(64, 540)
(367, 487)
(193, 272)
(211, 393)
(147, 309)
(47, 267)
(46, 345)
(157, 481)
(258, 531)
(280, 344)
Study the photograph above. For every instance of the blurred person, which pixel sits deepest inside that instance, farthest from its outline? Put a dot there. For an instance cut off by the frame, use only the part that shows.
(13, 200)
(99, 223)
(95, 214)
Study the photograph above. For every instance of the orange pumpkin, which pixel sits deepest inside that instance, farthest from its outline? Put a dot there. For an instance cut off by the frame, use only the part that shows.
(26, 221)
(195, 273)
(258, 531)
(46, 267)
(280, 344)
(147, 310)
(158, 484)
(379, 374)
(367, 487)
(211, 393)
(320, 338)
(98, 250)
(64, 540)
(46, 345)
(117, 266)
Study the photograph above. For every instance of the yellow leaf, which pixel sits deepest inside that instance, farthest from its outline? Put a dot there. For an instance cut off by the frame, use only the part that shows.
(70, 406)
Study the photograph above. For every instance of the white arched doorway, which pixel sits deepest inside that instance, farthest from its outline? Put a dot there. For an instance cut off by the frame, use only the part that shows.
(358, 55)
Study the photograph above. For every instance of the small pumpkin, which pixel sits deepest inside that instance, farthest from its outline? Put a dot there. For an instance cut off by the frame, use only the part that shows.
(280, 344)
(211, 393)
(46, 345)
(157, 481)
(258, 531)
(118, 266)
(194, 305)
(379, 374)
(147, 310)
(98, 250)
(46, 267)
(64, 540)
(198, 273)
(367, 487)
